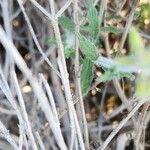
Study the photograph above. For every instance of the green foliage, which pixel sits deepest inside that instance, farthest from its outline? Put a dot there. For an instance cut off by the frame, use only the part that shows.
(136, 43)
(143, 85)
(145, 59)
(114, 68)
(112, 74)
(142, 58)
(136, 14)
(145, 11)
(126, 60)
(104, 62)
(110, 29)
(84, 28)
(93, 20)
(138, 56)
(114, 17)
(66, 23)
(69, 52)
(86, 75)
(87, 48)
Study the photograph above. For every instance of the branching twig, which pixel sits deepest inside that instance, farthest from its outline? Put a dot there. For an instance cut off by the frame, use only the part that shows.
(51, 99)
(127, 26)
(8, 45)
(35, 38)
(60, 12)
(41, 9)
(23, 108)
(121, 124)
(71, 111)
(4, 133)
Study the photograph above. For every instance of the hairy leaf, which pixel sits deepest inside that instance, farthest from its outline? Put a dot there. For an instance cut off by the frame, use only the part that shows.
(142, 85)
(69, 52)
(110, 29)
(112, 17)
(112, 74)
(66, 23)
(87, 48)
(145, 11)
(136, 43)
(145, 59)
(126, 60)
(86, 76)
(93, 20)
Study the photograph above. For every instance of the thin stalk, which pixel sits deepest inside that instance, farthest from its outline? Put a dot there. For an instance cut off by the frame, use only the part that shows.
(35, 38)
(77, 78)
(51, 99)
(103, 5)
(121, 124)
(37, 5)
(127, 26)
(40, 141)
(61, 11)
(4, 133)
(39, 93)
(6, 11)
(23, 109)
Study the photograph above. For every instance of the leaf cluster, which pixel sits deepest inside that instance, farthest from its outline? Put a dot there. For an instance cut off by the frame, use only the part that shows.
(118, 67)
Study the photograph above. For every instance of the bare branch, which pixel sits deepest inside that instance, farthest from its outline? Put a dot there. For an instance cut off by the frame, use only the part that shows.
(121, 124)
(61, 11)
(35, 85)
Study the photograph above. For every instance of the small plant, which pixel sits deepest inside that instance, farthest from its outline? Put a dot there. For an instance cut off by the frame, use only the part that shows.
(85, 68)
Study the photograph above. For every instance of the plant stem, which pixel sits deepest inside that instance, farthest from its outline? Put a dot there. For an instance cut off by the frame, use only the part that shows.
(61, 11)
(78, 80)
(121, 124)
(43, 101)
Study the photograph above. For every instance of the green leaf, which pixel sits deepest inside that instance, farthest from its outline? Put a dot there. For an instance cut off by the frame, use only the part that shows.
(145, 11)
(66, 23)
(69, 52)
(86, 76)
(107, 76)
(126, 60)
(145, 59)
(84, 28)
(87, 48)
(112, 17)
(143, 85)
(93, 20)
(69, 39)
(136, 43)
(112, 74)
(110, 29)
(136, 15)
